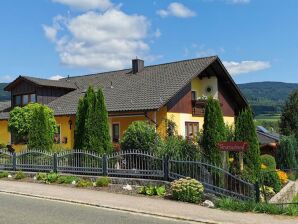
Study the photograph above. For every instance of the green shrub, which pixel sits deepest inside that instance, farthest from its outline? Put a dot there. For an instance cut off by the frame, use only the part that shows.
(3, 174)
(52, 177)
(103, 182)
(268, 161)
(142, 136)
(285, 155)
(188, 190)
(152, 190)
(66, 179)
(270, 178)
(19, 175)
(84, 183)
(176, 147)
(41, 177)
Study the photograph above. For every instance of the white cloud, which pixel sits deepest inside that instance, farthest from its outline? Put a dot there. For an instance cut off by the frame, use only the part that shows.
(107, 40)
(238, 1)
(176, 9)
(236, 68)
(86, 4)
(6, 78)
(56, 77)
(50, 32)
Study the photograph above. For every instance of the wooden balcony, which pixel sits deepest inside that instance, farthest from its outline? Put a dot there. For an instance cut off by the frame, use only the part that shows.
(198, 108)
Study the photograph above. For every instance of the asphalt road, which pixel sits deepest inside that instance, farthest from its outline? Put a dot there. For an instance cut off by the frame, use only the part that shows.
(21, 210)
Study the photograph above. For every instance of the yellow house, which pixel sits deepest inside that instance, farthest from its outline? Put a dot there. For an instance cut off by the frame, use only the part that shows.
(174, 91)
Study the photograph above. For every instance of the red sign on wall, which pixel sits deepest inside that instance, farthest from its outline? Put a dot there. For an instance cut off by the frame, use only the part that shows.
(233, 146)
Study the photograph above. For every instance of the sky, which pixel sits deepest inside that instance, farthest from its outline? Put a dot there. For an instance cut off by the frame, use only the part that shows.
(257, 40)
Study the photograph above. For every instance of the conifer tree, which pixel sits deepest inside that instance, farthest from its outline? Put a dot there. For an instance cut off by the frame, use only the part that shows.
(80, 124)
(40, 135)
(214, 131)
(289, 116)
(245, 130)
(102, 117)
(92, 128)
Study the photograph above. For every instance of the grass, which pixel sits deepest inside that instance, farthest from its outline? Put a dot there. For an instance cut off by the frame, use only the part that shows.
(3, 174)
(251, 206)
(268, 117)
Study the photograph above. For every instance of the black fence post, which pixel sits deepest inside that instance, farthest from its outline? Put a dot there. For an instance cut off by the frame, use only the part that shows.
(14, 161)
(55, 163)
(166, 168)
(257, 189)
(105, 165)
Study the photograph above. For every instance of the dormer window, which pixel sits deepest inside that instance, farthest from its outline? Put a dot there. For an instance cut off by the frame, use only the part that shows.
(23, 100)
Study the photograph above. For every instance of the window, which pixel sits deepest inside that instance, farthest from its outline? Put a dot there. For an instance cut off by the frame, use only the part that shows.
(18, 100)
(57, 136)
(32, 98)
(193, 95)
(116, 133)
(23, 100)
(191, 129)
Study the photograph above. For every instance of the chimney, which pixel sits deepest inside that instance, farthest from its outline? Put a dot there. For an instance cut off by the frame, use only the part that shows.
(137, 65)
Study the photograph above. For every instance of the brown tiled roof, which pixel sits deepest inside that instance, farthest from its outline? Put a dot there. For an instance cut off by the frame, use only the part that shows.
(44, 82)
(148, 89)
(124, 91)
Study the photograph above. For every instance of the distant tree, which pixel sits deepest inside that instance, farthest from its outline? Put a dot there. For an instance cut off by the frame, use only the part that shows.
(214, 131)
(41, 136)
(245, 130)
(285, 155)
(289, 116)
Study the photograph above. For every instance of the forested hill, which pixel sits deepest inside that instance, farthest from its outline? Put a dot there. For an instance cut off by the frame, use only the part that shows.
(4, 96)
(267, 97)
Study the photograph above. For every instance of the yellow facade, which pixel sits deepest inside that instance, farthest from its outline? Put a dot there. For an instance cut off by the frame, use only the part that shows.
(181, 118)
(4, 133)
(200, 86)
(67, 126)
(158, 116)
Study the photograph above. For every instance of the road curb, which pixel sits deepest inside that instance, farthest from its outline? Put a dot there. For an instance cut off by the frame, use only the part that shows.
(141, 212)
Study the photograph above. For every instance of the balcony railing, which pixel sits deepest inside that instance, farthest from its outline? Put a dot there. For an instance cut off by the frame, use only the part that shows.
(198, 108)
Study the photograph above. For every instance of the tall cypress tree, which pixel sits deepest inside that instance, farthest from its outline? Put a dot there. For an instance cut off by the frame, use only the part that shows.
(90, 141)
(80, 123)
(40, 135)
(214, 131)
(245, 130)
(92, 128)
(102, 117)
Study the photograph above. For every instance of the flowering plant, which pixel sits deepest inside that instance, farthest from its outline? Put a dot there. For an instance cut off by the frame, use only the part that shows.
(188, 190)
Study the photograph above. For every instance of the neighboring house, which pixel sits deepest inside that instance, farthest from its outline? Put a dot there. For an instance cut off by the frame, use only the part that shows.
(268, 141)
(152, 93)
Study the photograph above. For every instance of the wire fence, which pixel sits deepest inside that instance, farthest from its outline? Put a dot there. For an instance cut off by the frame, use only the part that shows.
(132, 164)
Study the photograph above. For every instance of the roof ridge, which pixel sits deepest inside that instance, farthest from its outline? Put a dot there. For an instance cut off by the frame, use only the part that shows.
(148, 66)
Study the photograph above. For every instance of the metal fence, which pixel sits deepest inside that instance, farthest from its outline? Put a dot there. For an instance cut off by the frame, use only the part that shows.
(133, 164)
